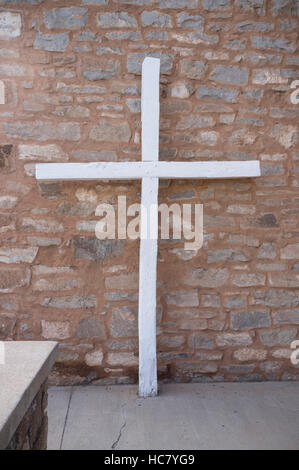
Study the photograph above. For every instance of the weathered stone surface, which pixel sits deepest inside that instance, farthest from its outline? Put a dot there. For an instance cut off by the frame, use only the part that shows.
(7, 222)
(248, 354)
(178, 3)
(254, 6)
(155, 19)
(212, 277)
(10, 25)
(239, 368)
(276, 298)
(217, 94)
(290, 251)
(94, 249)
(250, 319)
(181, 90)
(248, 279)
(89, 328)
(212, 5)
(94, 155)
(12, 278)
(72, 112)
(201, 341)
(281, 337)
(43, 153)
(175, 106)
(285, 279)
(107, 131)
(41, 225)
(56, 284)
(8, 202)
(226, 255)
(81, 208)
(195, 37)
(265, 42)
(29, 2)
(254, 26)
(18, 255)
(95, 2)
(122, 282)
(264, 221)
(285, 7)
(123, 322)
(94, 358)
(230, 74)
(286, 135)
(135, 60)
(51, 42)
(42, 130)
(196, 368)
(134, 105)
(55, 329)
(282, 353)
(105, 70)
(218, 221)
(285, 317)
(75, 301)
(240, 209)
(127, 359)
(7, 326)
(233, 339)
(272, 76)
(186, 21)
(235, 301)
(77, 89)
(267, 251)
(195, 121)
(116, 20)
(65, 18)
(193, 69)
(117, 296)
(13, 70)
(6, 156)
(183, 299)
(210, 300)
(170, 342)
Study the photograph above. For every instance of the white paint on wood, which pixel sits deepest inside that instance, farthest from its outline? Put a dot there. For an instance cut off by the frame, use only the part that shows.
(150, 109)
(148, 385)
(149, 170)
(2, 92)
(137, 170)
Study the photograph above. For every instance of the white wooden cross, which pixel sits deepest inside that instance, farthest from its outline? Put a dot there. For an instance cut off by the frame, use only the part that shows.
(149, 170)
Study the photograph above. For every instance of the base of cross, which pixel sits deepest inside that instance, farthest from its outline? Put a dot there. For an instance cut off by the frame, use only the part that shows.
(149, 170)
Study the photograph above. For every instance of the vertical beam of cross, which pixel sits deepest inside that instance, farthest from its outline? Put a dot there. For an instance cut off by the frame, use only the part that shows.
(148, 385)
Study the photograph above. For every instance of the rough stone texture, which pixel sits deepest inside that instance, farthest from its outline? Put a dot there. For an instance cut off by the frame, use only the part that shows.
(10, 25)
(42, 130)
(51, 42)
(71, 84)
(65, 18)
(107, 131)
(230, 74)
(32, 432)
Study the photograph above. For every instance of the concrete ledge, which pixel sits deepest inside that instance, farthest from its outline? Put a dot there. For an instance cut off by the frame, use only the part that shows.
(26, 367)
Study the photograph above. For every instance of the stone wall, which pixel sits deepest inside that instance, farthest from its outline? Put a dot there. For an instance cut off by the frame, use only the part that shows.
(70, 72)
(33, 429)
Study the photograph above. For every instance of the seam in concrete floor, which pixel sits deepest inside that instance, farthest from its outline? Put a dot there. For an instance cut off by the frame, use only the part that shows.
(66, 417)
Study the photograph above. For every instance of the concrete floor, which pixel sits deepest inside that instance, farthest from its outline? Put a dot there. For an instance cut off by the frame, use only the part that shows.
(184, 416)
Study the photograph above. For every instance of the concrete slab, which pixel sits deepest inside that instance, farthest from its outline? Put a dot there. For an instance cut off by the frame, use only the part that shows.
(183, 416)
(58, 403)
(25, 368)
